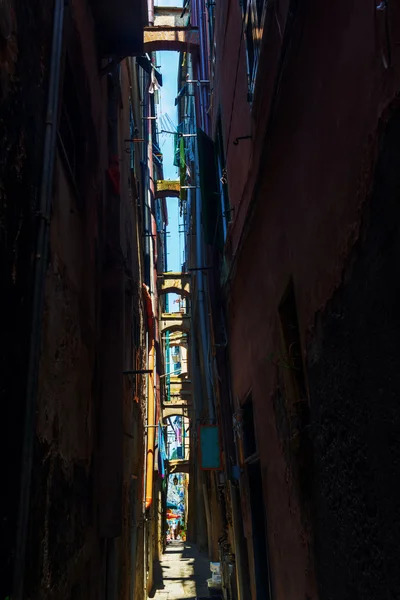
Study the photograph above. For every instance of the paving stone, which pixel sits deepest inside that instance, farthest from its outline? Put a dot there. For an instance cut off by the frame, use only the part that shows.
(181, 574)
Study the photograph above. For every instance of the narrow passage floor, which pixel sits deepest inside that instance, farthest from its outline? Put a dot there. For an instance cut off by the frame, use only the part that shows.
(182, 573)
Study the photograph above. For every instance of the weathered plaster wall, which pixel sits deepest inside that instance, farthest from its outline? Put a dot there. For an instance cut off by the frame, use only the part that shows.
(354, 388)
(23, 85)
(316, 166)
(89, 437)
(65, 555)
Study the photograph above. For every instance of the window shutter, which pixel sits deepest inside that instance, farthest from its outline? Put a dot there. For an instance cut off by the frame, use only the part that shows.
(209, 188)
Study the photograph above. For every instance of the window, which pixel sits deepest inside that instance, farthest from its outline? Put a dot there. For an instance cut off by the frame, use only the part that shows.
(71, 132)
(292, 353)
(226, 211)
(253, 19)
(249, 432)
(253, 476)
(210, 194)
(296, 397)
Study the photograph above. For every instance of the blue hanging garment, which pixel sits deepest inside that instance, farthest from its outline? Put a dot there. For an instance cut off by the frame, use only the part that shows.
(162, 456)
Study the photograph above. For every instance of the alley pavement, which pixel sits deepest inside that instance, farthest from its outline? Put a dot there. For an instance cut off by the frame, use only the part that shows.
(181, 574)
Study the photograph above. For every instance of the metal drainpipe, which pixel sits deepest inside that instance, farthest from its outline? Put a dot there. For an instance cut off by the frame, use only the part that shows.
(202, 67)
(145, 193)
(202, 307)
(41, 257)
(150, 429)
(200, 286)
(237, 519)
(151, 197)
(150, 11)
(149, 457)
(203, 70)
(144, 480)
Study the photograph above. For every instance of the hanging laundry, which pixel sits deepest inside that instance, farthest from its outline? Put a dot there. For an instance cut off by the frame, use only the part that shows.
(162, 455)
(154, 85)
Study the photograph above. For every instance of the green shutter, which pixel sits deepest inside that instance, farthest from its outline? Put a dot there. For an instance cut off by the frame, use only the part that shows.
(209, 188)
(176, 150)
(182, 169)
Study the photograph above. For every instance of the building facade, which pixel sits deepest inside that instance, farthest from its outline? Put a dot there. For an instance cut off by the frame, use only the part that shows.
(287, 330)
(82, 234)
(303, 101)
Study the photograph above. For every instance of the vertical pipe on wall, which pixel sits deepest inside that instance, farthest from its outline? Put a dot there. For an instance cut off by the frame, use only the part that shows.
(150, 11)
(208, 515)
(201, 291)
(151, 356)
(202, 305)
(41, 257)
(238, 541)
(151, 194)
(151, 430)
(151, 397)
(203, 67)
(145, 480)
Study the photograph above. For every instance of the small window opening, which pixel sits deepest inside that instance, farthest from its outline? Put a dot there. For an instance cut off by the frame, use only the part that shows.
(249, 432)
(296, 398)
(71, 130)
(291, 360)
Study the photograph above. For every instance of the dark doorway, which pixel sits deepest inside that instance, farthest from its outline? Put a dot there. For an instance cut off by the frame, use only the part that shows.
(259, 527)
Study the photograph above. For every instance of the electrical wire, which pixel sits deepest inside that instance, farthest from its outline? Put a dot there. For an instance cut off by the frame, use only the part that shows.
(235, 88)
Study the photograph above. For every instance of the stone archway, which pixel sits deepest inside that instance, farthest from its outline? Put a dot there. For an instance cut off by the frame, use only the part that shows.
(181, 409)
(173, 322)
(179, 39)
(174, 283)
(178, 466)
(168, 189)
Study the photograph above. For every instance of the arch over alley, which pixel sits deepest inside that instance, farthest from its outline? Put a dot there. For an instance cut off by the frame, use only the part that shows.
(182, 408)
(173, 322)
(178, 39)
(179, 466)
(168, 188)
(174, 283)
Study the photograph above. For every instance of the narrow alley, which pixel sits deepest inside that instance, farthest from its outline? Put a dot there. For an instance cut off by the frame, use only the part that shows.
(199, 357)
(182, 573)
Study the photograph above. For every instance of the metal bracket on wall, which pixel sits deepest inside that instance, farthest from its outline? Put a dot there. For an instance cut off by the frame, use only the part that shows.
(198, 81)
(111, 65)
(242, 137)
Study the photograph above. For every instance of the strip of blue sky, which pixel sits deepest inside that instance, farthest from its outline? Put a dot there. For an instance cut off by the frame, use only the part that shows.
(169, 69)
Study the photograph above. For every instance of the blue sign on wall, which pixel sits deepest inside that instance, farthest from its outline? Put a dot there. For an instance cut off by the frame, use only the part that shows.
(210, 451)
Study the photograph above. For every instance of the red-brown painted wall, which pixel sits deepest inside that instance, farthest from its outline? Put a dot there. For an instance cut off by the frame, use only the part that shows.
(306, 173)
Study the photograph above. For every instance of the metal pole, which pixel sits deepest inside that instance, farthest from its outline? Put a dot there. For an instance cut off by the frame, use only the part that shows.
(41, 255)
